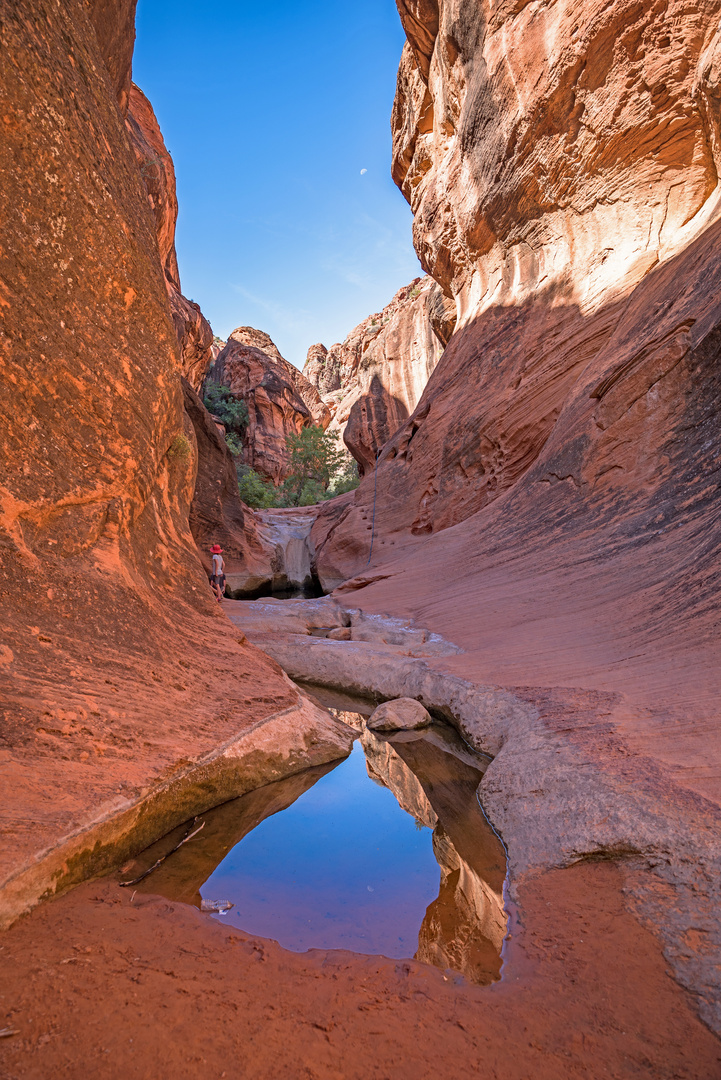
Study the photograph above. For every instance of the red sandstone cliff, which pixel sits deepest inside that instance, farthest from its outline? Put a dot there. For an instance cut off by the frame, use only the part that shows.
(158, 175)
(216, 513)
(280, 399)
(561, 164)
(373, 380)
(107, 620)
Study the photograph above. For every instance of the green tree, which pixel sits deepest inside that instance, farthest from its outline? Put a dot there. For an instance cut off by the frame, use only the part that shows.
(233, 411)
(315, 460)
(233, 443)
(254, 490)
(346, 479)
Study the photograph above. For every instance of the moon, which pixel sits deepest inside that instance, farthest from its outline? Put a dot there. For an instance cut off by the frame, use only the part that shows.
(363, 172)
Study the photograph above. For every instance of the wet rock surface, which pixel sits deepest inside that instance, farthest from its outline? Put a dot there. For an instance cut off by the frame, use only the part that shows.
(157, 966)
(436, 782)
(558, 790)
(433, 777)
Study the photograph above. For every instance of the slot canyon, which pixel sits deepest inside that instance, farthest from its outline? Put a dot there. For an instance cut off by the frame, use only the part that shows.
(506, 621)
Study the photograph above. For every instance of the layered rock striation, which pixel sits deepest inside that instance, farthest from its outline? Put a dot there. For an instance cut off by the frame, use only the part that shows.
(373, 380)
(280, 400)
(118, 670)
(552, 503)
(547, 185)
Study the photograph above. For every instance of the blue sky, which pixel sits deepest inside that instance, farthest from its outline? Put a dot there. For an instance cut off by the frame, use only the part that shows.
(271, 111)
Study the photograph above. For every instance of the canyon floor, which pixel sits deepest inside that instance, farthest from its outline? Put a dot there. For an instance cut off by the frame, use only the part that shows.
(96, 983)
(109, 982)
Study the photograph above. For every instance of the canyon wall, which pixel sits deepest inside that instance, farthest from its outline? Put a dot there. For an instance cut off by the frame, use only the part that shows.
(559, 474)
(158, 176)
(117, 667)
(373, 380)
(217, 515)
(280, 400)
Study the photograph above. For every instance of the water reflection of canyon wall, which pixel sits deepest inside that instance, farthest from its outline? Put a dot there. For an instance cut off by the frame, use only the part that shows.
(436, 782)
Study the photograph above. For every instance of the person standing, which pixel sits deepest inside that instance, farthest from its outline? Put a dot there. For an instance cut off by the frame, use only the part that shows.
(217, 578)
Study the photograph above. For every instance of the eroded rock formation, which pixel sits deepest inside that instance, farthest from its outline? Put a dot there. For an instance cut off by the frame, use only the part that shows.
(552, 504)
(280, 399)
(158, 175)
(616, 120)
(217, 515)
(108, 625)
(373, 380)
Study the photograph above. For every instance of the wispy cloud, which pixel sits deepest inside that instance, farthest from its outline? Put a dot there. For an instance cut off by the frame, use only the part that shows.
(288, 318)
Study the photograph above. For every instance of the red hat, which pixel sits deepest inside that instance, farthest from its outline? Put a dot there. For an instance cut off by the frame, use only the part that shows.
(216, 549)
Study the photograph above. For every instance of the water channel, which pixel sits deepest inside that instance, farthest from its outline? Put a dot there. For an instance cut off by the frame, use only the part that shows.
(386, 852)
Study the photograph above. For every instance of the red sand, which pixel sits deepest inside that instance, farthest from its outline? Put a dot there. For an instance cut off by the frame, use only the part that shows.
(98, 986)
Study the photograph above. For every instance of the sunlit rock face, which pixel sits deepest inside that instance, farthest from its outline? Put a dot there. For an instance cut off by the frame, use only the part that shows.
(374, 379)
(550, 147)
(556, 160)
(280, 400)
(158, 176)
(108, 624)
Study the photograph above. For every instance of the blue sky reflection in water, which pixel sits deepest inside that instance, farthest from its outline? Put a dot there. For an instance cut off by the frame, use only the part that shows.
(344, 867)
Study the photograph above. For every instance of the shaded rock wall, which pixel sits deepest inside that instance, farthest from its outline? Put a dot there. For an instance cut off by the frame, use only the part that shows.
(567, 196)
(280, 399)
(373, 380)
(114, 24)
(108, 625)
(158, 175)
(217, 515)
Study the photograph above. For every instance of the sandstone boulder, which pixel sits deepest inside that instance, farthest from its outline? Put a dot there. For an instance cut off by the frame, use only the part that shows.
(403, 714)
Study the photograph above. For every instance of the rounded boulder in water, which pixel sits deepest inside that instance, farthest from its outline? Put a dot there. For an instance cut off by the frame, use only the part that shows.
(403, 714)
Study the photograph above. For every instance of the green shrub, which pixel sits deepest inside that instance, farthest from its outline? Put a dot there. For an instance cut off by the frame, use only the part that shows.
(347, 479)
(254, 490)
(234, 444)
(180, 449)
(233, 411)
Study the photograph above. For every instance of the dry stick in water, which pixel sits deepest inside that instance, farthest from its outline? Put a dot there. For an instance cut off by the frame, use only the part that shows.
(188, 836)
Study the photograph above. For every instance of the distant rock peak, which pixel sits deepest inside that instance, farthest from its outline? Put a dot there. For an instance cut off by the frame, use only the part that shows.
(372, 381)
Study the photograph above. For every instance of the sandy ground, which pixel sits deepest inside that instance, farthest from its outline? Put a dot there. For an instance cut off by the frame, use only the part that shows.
(99, 985)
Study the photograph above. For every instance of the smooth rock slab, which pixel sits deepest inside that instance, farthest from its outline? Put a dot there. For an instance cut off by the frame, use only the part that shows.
(403, 714)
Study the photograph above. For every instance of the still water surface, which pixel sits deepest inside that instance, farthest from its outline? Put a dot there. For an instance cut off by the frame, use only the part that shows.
(342, 868)
(386, 852)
